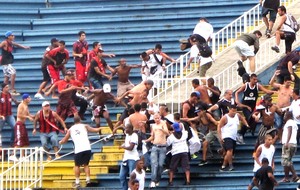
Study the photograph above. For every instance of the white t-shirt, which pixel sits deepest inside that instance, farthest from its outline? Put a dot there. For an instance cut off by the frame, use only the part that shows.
(204, 29)
(140, 178)
(131, 154)
(79, 135)
(295, 109)
(293, 139)
(152, 62)
(204, 60)
(265, 153)
(194, 51)
(195, 54)
(178, 145)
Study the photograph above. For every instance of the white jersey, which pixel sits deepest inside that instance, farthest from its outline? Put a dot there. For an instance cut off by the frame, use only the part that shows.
(265, 153)
(293, 139)
(295, 109)
(131, 154)
(204, 29)
(152, 62)
(230, 129)
(286, 25)
(178, 145)
(140, 177)
(79, 135)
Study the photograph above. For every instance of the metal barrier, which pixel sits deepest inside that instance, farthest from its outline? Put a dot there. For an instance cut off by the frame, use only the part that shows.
(25, 171)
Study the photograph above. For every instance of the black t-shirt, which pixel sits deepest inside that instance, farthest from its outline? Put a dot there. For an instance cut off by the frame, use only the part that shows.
(250, 95)
(294, 57)
(271, 4)
(224, 106)
(264, 181)
(92, 72)
(214, 98)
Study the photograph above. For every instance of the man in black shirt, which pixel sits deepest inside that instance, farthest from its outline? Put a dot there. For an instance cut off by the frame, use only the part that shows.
(264, 178)
(213, 91)
(269, 7)
(221, 107)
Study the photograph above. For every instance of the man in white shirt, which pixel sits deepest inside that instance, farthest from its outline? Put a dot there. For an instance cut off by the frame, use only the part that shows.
(295, 106)
(82, 148)
(130, 157)
(289, 147)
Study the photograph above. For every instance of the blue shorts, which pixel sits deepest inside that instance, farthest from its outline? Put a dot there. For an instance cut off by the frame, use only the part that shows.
(49, 140)
(273, 13)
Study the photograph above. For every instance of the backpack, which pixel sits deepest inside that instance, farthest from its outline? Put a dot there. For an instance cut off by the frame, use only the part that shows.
(294, 24)
(204, 49)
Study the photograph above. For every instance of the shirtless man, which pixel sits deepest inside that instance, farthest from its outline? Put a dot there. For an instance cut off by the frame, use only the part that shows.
(285, 92)
(267, 112)
(21, 135)
(123, 71)
(138, 119)
(158, 137)
(207, 121)
(100, 97)
(203, 91)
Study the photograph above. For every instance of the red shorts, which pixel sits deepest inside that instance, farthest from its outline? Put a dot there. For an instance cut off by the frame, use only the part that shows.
(80, 71)
(65, 111)
(21, 135)
(53, 73)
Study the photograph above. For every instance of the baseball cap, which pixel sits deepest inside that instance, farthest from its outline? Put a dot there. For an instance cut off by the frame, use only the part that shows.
(176, 127)
(200, 108)
(297, 49)
(25, 96)
(45, 103)
(106, 88)
(8, 33)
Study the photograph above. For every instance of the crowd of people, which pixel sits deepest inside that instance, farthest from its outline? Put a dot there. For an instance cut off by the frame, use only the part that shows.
(155, 139)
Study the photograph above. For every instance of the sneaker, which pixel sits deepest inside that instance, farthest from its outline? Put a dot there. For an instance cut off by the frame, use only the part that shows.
(170, 184)
(76, 185)
(147, 169)
(187, 183)
(14, 93)
(152, 184)
(275, 48)
(194, 156)
(157, 184)
(202, 163)
(240, 139)
(13, 158)
(38, 96)
(231, 168)
(222, 169)
(57, 156)
(268, 33)
(166, 171)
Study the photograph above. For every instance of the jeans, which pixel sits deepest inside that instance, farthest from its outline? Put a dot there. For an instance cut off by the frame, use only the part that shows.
(97, 84)
(158, 155)
(126, 169)
(10, 120)
(45, 140)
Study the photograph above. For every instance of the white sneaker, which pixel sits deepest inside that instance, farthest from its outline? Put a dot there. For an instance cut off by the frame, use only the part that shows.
(157, 184)
(13, 158)
(152, 184)
(39, 96)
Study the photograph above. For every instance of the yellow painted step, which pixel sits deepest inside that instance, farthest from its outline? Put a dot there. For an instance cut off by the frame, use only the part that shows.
(69, 170)
(108, 149)
(118, 142)
(108, 156)
(106, 131)
(67, 183)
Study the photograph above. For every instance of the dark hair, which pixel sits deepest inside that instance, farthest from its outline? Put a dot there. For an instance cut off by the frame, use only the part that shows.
(95, 44)
(286, 78)
(137, 107)
(176, 116)
(196, 81)
(253, 75)
(282, 8)
(144, 55)
(265, 161)
(130, 111)
(3, 85)
(158, 46)
(144, 105)
(205, 19)
(81, 32)
(149, 82)
(257, 32)
(296, 91)
(165, 107)
(62, 42)
(211, 80)
(232, 106)
(194, 94)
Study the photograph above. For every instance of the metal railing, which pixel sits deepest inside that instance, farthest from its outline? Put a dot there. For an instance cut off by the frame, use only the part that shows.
(23, 172)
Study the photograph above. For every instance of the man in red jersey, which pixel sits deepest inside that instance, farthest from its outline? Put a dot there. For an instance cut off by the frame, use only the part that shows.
(7, 60)
(46, 77)
(57, 57)
(80, 52)
(6, 115)
(47, 120)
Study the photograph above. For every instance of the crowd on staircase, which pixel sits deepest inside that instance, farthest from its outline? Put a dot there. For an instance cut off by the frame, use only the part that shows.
(155, 139)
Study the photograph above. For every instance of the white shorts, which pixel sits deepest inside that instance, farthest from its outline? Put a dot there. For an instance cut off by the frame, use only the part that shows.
(8, 70)
(243, 48)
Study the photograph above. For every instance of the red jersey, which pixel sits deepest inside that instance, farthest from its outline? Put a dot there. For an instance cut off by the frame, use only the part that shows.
(58, 55)
(76, 83)
(62, 84)
(44, 125)
(81, 47)
(5, 104)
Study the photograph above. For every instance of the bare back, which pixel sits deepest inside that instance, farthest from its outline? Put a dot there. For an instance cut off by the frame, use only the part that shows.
(123, 73)
(101, 98)
(204, 94)
(138, 121)
(284, 96)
